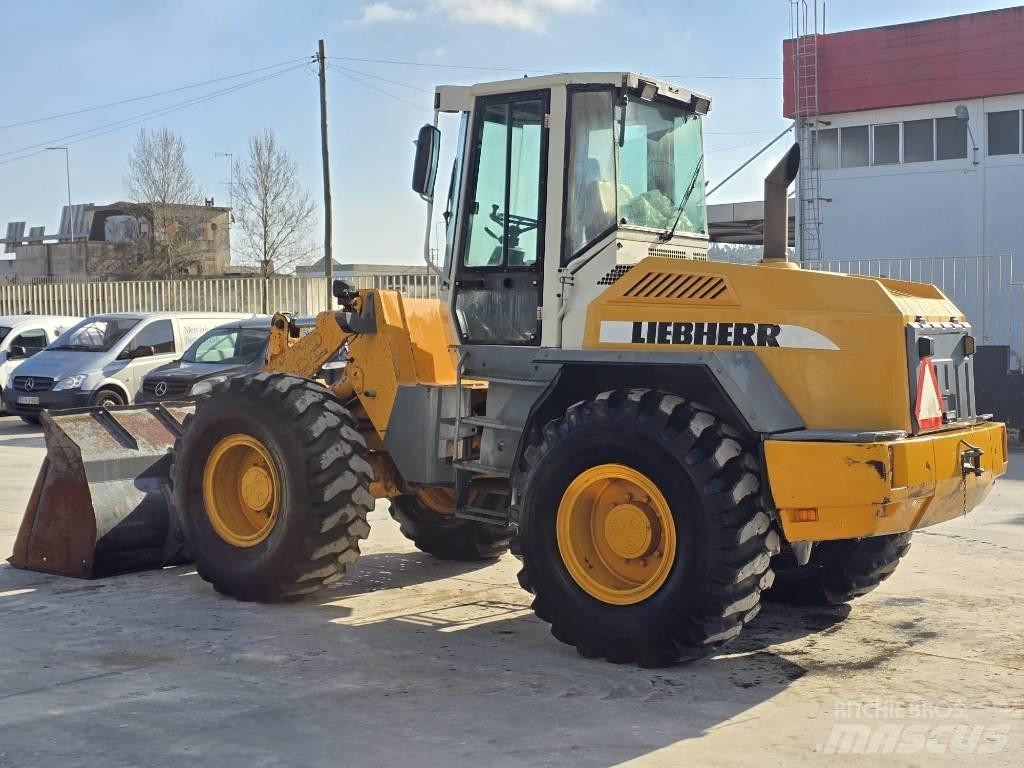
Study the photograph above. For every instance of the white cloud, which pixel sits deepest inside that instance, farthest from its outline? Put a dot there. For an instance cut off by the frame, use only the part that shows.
(531, 15)
(377, 12)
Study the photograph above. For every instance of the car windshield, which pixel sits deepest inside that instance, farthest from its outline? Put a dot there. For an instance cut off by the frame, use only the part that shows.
(228, 345)
(96, 334)
(4, 330)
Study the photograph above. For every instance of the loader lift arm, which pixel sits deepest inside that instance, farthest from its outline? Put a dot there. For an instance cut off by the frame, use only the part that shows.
(305, 355)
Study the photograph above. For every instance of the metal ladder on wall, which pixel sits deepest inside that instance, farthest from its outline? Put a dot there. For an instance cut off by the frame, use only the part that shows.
(804, 27)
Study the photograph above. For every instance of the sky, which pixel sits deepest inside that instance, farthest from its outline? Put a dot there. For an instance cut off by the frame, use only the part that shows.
(61, 57)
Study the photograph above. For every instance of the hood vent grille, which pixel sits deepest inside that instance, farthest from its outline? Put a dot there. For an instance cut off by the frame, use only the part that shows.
(677, 285)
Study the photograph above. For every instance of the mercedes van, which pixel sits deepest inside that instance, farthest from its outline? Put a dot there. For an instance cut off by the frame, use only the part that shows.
(103, 359)
(22, 336)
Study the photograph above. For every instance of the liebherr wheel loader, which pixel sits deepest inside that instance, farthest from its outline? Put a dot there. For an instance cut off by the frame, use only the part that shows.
(663, 440)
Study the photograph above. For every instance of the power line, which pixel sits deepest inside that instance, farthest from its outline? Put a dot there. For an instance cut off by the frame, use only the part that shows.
(92, 133)
(735, 146)
(378, 77)
(148, 96)
(536, 71)
(145, 115)
(734, 133)
(373, 87)
(439, 66)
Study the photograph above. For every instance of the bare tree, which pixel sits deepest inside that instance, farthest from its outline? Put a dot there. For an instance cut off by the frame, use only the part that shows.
(167, 240)
(274, 212)
(158, 171)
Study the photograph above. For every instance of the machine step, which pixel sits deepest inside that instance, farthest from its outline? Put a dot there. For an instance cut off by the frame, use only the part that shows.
(507, 380)
(481, 469)
(484, 421)
(484, 515)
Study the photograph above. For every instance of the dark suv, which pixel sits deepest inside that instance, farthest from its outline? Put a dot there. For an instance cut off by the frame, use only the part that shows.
(228, 350)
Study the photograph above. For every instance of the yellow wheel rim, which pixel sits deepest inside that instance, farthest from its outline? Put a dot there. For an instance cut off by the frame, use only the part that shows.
(616, 534)
(437, 499)
(440, 499)
(241, 490)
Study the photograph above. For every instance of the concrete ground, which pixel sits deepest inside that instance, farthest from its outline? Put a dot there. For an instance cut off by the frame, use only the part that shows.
(420, 662)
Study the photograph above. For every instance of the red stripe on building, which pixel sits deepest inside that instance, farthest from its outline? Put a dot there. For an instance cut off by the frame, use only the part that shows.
(959, 57)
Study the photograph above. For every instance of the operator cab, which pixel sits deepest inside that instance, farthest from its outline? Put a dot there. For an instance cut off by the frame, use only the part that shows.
(556, 181)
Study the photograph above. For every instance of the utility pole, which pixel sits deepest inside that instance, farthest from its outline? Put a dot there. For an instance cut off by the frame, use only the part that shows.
(328, 255)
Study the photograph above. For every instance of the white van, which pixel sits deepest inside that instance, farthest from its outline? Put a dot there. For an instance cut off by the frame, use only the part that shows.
(103, 359)
(22, 336)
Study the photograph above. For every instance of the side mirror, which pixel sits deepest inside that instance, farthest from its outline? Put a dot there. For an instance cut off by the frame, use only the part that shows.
(16, 352)
(424, 170)
(142, 351)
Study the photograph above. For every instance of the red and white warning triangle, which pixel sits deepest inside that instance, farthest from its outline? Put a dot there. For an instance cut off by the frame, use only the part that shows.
(929, 397)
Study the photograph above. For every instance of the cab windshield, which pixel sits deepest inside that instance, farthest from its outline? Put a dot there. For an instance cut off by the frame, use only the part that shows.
(4, 330)
(96, 334)
(644, 168)
(228, 345)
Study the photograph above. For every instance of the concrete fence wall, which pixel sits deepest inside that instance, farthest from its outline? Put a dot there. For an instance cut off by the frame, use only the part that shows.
(300, 295)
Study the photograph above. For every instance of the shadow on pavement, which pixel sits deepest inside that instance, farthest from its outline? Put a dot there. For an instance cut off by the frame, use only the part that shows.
(413, 656)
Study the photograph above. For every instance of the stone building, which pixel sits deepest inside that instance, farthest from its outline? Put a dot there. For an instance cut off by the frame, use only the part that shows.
(121, 241)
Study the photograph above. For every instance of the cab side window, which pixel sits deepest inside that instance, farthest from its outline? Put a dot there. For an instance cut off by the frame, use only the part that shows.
(159, 335)
(33, 341)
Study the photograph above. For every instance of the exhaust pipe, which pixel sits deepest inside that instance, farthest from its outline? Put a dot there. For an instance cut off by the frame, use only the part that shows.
(776, 213)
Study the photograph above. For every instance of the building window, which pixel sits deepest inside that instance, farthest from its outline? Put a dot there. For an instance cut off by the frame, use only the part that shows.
(886, 144)
(950, 138)
(1004, 133)
(827, 143)
(918, 141)
(853, 146)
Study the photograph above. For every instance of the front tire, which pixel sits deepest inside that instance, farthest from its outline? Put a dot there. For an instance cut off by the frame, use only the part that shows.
(271, 487)
(441, 534)
(688, 541)
(107, 398)
(838, 571)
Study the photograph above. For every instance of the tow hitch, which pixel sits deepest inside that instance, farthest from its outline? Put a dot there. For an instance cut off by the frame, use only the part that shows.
(970, 460)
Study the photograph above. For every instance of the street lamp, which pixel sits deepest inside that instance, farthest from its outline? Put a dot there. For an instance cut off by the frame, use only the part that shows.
(67, 169)
(963, 114)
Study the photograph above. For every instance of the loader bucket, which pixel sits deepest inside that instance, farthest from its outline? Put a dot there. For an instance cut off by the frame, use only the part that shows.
(98, 506)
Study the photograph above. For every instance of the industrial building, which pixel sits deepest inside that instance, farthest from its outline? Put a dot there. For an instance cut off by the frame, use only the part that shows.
(120, 241)
(917, 138)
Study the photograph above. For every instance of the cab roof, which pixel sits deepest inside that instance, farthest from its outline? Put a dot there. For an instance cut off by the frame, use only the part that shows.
(459, 98)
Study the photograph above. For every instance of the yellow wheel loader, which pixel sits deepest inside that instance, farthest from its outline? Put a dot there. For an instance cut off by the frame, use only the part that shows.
(663, 440)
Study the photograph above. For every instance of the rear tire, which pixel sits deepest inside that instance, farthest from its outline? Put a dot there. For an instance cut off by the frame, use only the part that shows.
(838, 571)
(321, 487)
(448, 537)
(721, 534)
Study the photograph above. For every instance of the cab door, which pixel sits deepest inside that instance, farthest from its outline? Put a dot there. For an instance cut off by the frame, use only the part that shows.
(498, 277)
